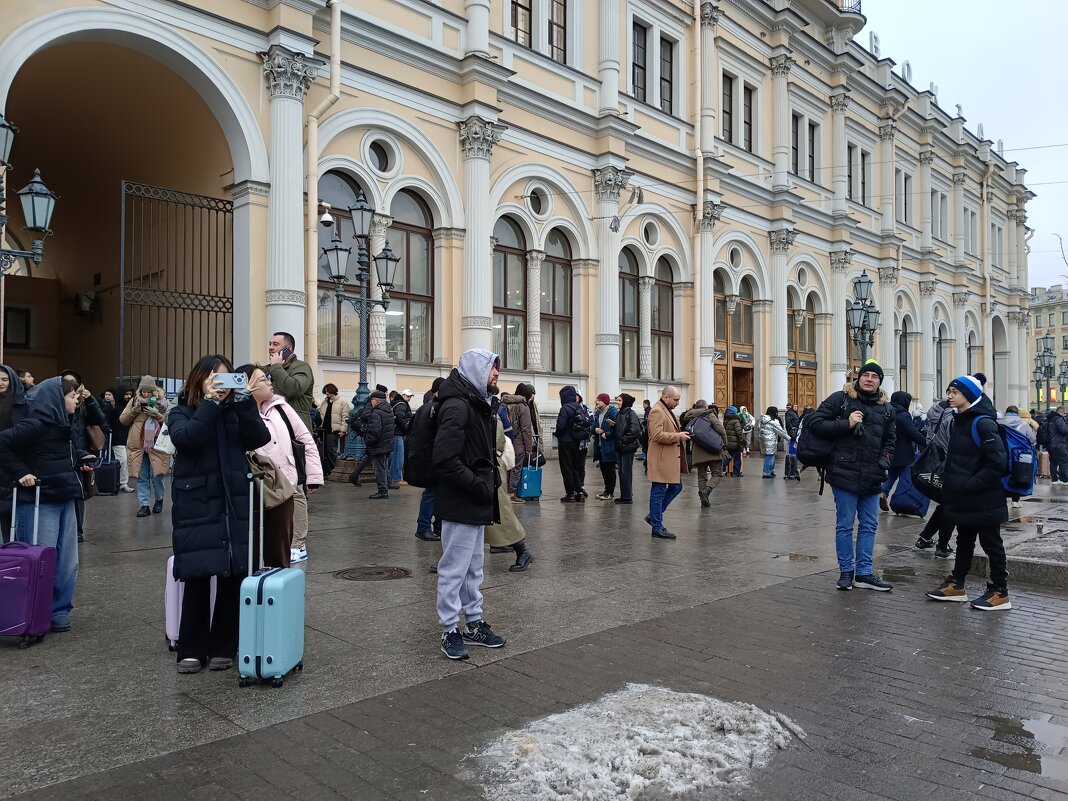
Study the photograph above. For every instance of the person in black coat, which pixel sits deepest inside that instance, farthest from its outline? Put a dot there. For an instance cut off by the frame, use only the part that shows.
(973, 496)
(860, 423)
(378, 432)
(12, 409)
(1057, 445)
(466, 497)
(572, 457)
(212, 428)
(88, 413)
(908, 439)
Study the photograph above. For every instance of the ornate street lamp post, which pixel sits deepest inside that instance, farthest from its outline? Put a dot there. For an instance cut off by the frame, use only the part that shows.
(1037, 376)
(862, 317)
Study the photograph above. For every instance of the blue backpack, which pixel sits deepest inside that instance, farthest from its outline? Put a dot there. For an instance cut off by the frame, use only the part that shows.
(1022, 465)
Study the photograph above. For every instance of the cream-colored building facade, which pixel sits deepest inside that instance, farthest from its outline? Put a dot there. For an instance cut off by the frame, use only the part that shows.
(616, 194)
(1049, 315)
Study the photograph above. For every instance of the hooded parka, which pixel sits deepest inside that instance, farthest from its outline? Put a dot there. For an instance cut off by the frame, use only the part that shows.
(972, 494)
(908, 437)
(863, 454)
(522, 426)
(734, 433)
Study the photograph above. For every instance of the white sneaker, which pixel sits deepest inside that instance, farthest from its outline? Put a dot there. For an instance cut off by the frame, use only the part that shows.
(125, 488)
(1016, 504)
(298, 554)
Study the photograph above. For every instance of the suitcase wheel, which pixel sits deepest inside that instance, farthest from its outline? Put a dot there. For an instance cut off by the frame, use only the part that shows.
(300, 666)
(277, 681)
(243, 681)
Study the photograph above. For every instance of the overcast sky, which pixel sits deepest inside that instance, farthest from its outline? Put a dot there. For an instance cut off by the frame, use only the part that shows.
(1003, 62)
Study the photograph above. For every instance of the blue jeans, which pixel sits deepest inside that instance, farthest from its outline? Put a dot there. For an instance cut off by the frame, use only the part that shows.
(850, 507)
(736, 458)
(57, 528)
(146, 482)
(892, 475)
(660, 498)
(426, 511)
(769, 464)
(396, 472)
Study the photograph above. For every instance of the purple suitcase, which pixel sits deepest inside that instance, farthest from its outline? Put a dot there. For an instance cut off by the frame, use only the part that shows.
(27, 573)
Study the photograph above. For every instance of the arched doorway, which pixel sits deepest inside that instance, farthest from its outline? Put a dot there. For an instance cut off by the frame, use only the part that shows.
(801, 342)
(734, 343)
(1000, 378)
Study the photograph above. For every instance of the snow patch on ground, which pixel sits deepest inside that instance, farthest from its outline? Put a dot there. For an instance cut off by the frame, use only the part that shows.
(642, 742)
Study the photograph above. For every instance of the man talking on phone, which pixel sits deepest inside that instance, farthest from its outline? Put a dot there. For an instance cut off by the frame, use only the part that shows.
(290, 377)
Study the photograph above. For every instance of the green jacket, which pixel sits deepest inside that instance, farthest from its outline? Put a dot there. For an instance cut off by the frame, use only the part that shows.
(294, 382)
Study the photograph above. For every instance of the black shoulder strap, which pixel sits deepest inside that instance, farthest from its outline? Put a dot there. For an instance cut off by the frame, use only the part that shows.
(289, 426)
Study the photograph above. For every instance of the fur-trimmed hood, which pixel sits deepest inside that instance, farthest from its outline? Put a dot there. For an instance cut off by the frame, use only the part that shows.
(850, 389)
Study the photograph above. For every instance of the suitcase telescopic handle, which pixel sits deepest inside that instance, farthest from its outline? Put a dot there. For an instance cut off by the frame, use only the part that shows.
(252, 477)
(36, 508)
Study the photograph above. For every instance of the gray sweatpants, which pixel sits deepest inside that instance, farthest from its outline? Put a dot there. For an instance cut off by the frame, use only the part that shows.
(460, 573)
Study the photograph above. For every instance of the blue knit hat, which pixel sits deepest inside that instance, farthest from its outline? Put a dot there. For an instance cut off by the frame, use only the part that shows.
(732, 409)
(967, 386)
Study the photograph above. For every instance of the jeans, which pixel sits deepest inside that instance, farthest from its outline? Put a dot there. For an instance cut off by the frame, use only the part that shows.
(626, 475)
(892, 475)
(426, 512)
(736, 457)
(608, 473)
(990, 540)
(660, 498)
(864, 509)
(1058, 464)
(57, 528)
(769, 464)
(460, 573)
(147, 484)
(396, 470)
(380, 462)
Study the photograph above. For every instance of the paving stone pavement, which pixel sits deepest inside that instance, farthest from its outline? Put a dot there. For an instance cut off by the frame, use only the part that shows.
(901, 698)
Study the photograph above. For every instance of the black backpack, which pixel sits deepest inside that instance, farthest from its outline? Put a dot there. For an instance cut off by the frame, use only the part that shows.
(1042, 435)
(581, 424)
(419, 468)
(643, 435)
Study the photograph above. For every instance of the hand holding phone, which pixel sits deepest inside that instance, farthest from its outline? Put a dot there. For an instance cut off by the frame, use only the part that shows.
(286, 353)
(230, 380)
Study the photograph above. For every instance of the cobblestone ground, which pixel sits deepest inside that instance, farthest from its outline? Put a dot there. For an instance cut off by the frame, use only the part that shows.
(901, 698)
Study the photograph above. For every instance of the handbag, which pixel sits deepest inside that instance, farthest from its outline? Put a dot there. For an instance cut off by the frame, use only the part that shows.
(163, 442)
(275, 486)
(926, 472)
(508, 455)
(95, 435)
(299, 451)
(88, 479)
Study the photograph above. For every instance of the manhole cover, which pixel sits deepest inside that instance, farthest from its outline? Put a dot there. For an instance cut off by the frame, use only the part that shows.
(372, 573)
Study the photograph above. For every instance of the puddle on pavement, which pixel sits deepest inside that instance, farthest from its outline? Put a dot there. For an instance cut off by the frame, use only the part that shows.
(796, 557)
(1040, 740)
(899, 573)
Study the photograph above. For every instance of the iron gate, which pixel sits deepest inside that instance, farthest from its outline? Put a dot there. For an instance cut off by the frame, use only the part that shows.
(176, 282)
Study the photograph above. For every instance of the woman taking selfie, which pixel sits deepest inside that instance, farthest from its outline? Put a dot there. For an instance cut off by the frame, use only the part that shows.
(211, 426)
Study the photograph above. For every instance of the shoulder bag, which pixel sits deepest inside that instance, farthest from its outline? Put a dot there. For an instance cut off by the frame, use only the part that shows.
(276, 487)
(299, 454)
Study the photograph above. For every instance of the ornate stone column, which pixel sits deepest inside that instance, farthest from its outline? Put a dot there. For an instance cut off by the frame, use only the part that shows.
(534, 260)
(928, 393)
(288, 74)
(645, 327)
(887, 350)
(608, 182)
(376, 326)
(779, 357)
(780, 113)
(1021, 249)
(839, 155)
(477, 31)
(959, 179)
(887, 189)
(926, 160)
(1010, 249)
(608, 69)
(840, 260)
(477, 138)
(706, 306)
(710, 15)
(824, 330)
(960, 350)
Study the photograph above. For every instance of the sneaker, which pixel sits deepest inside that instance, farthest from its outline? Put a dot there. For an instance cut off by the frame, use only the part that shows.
(950, 590)
(993, 600)
(125, 488)
(157, 507)
(379, 496)
(944, 553)
(623, 501)
(604, 496)
(452, 645)
(144, 511)
(428, 536)
(884, 504)
(1016, 505)
(298, 554)
(663, 534)
(872, 582)
(923, 543)
(845, 580)
(220, 663)
(60, 624)
(480, 633)
(190, 665)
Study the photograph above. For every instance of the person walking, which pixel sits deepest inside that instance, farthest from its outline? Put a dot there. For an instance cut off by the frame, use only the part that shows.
(143, 417)
(334, 412)
(211, 428)
(666, 459)
(771, 431)
(290, 377)
(522, 438)
(402, 423)
(939, 420)
(1013, 418)
(604, 443)
(627, 441)
(792, 423)
(705, 462)
(378, 433)
(733, 441)
(908, 440)
(569, 438)
(973, 496)
(1058, 445)
(466, 498)
(859, 423)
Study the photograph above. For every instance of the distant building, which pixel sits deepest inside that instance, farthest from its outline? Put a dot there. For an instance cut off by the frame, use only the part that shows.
(1049, 315)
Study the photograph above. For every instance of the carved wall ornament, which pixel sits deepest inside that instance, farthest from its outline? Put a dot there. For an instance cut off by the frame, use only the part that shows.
(960, 299)
(448, 233)
(782, 239)
(888, 276)
(710, 15)
(380, 223)
(927, 157)
(292, 297)
(710, 215)
(989, 195)
(781, 65)
(732, 303)
(476, 322)
(840, 103)
(646, 282)
(959, 179)
(887, 130)
(928, 288)
(478, 136)
(840, 260)
(609, 181)
(606, 339)
(289, 74)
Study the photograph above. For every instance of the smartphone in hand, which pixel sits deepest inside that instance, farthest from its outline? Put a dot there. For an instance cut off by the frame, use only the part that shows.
(231, 380)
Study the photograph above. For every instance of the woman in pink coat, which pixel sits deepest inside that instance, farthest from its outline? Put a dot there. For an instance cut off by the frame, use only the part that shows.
(285, 526)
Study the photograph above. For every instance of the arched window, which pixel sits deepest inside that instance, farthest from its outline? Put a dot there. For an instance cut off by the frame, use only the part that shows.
(510, 294)
(628, 314)
(662, 320)
(940, 355)
(719, 297)
(972, 349)
(410, 317)
(339, 325)
(903, 357)
(556, 304)
(742, 320)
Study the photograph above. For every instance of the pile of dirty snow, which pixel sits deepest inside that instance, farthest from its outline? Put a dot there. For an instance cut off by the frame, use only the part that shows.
(642, 742)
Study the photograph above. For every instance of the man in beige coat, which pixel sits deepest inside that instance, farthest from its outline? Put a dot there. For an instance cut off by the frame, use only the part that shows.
(665, 460)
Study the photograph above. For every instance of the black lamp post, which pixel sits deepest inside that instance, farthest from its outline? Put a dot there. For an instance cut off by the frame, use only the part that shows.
(341, 272)
(1037, 375)
(1046, 362)
(862, 317)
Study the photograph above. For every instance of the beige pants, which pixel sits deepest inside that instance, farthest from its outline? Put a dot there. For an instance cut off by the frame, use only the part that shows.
(300, 518)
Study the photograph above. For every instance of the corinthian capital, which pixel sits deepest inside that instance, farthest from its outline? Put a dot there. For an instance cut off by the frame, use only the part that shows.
(782, 239)
(960, 299)
(927, 157)
(887, 130)
(710, 15)
(960, 179)
(840, 260)
(478, 136)
(289, 74)
(609, 181)
(928, 288)
(840, 103)
(711, 212)
(780, 65)
(888, 276)
(380, 223)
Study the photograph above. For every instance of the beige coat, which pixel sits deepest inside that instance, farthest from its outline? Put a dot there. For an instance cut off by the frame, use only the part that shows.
(340, 412)
(509, 531)
(133, 417)
(667, 454)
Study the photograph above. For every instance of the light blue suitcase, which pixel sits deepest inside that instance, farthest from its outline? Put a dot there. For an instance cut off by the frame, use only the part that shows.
(271, 634)
(530, 480)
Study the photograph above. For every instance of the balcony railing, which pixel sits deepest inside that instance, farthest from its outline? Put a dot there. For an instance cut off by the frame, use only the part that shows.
(846, 6)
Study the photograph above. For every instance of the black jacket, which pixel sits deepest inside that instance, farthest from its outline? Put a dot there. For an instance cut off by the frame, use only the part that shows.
(908, 436)
(1058, 431)
(564, 420)
(972, 494)
(379, 430)
(209, 507)
(792, 421)
(628, 431)
(861, 456)
(402, 417)
(465, 455)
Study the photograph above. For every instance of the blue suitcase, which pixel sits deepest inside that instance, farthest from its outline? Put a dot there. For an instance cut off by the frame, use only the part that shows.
(271, 634)
(907, 500)
(530, 477)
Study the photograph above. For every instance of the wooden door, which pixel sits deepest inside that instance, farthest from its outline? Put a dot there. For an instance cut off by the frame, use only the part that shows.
(722, 386)
(805, 394)
(742, 387)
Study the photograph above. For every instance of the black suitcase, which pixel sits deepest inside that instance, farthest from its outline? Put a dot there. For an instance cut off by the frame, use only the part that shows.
(107, 472)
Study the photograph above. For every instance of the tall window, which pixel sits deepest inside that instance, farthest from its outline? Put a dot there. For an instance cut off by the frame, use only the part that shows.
(940, 356)
(719, 294)
(903, 357)
(410, 316)
(640, 35)
(510, 295)
(727, 110)
(628, 314)
(521, 21)
(667, 75)
(865, 160)
(747, 118)
(851, 154)
(742, 320)
(558, 31)
(795, 144)
(556, 304)
(339, 327)
(802, 340)
(813, 139)
(662, 321)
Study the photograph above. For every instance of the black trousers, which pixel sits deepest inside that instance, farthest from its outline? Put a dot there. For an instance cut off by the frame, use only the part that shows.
(990, 540)
(608, 473)
(939, 524)
(626, 475)
(329, 452)
(572, 466)
(201, 636)
(1058, 464)
(380, 463)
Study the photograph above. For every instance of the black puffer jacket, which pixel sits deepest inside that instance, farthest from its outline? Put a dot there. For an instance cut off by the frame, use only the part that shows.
(209, 508)
(792, 421)
(1058, 431)
(379, 431)
(908, 436)
(465, 451)
(861, 456)
(402, 417)
(565, 419)
(972, 494)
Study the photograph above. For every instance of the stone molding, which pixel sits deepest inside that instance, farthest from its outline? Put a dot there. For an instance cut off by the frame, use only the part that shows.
(478, 136)
(476, 322)
(448, 233)
(606, 339)
(289, 74)
(609, 181)
(287, 297)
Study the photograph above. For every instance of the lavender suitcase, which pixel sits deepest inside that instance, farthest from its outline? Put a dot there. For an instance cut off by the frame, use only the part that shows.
(27, 573)
(172, 604)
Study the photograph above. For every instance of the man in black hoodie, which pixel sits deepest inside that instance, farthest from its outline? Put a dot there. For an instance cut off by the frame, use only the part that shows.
(908, 439)
(569, 447)
(628, 439)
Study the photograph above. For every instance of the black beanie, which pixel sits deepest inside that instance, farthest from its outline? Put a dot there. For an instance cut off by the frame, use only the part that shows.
(525, 391)
(627, 400)
(871, 366)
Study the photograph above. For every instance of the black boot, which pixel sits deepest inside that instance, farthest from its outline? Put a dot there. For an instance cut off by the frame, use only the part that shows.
(523, 557)
(379, 496)
(569, 498)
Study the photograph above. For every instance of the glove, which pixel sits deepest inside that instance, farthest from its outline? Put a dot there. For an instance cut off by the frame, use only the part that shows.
(884, 463)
